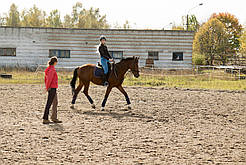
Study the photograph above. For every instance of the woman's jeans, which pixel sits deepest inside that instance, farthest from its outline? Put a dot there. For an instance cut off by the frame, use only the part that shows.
(104, 63)
(52, 100)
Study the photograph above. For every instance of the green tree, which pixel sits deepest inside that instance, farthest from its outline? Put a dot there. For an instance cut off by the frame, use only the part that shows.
(34, 17)
(67, 21)
(77, 11)
(54, 19)
(2, 21)
(126, 25)
(92, 19)
(233, 29)
(211, 41)
(193, 23)
(82, 18)
(13, 17)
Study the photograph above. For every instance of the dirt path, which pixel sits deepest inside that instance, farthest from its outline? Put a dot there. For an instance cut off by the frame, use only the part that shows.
(166, 126)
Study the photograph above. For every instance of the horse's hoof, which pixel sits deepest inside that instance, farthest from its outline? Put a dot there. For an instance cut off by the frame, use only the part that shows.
(102, 109)
(72, 106)
(129, 107)
(93, 106)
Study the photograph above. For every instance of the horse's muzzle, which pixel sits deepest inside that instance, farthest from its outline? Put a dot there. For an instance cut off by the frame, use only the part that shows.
(136, 75)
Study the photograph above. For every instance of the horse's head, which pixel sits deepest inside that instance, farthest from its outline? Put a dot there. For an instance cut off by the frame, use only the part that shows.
(134, 66)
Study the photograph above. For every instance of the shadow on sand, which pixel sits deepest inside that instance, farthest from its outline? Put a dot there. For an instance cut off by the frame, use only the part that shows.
(117, 115)
(56, 127)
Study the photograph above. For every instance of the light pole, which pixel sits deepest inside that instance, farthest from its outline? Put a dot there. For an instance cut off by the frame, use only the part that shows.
(187, 17)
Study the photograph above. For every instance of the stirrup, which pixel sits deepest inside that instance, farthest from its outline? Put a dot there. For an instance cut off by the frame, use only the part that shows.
(105, 83)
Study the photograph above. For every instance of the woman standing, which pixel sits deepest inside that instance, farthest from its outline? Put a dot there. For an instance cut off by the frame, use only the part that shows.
(51, 83)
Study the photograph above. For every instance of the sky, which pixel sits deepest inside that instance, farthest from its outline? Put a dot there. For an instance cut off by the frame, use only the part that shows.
(142, 14)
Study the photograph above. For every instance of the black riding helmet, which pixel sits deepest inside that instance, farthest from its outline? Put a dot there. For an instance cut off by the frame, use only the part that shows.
(102, 38)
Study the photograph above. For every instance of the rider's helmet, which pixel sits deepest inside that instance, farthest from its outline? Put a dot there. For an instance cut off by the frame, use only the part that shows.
(102, 38)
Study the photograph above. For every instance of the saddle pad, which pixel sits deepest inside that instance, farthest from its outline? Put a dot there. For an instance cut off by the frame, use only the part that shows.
(98, 72)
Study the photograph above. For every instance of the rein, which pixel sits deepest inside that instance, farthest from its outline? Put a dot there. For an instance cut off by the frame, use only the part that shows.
(115, 71)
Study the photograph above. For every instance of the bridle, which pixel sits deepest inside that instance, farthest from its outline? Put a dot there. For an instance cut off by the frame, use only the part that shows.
(134, 71)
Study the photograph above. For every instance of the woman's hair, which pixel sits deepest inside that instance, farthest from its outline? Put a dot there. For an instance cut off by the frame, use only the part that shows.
(52, 60)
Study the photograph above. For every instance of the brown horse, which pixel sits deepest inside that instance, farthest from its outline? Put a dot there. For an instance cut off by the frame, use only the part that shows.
(116, 78)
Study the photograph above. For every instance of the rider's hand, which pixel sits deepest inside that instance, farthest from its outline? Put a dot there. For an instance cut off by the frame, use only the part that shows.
(111, 60)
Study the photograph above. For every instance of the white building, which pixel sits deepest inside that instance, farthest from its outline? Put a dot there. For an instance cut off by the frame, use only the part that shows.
(31, 47)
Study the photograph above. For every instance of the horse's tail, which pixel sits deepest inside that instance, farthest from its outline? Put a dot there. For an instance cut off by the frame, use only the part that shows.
(73, 81)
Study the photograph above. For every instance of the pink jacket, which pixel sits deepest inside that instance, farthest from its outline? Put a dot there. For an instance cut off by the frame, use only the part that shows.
(51, 78)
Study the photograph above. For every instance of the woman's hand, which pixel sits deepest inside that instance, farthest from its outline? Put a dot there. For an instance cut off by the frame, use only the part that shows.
(111, 60)
(46, 90)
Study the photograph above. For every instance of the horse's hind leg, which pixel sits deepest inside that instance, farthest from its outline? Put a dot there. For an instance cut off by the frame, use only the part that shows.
(86, 89)
(109, 88)
(76, 92)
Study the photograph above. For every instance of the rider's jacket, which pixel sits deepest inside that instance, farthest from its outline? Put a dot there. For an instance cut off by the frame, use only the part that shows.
(103, 50)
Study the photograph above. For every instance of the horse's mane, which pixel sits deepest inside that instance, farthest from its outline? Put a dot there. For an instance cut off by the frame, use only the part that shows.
(127, 59)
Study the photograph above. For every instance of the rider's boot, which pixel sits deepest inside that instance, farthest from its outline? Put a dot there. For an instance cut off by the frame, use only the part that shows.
(105, 80)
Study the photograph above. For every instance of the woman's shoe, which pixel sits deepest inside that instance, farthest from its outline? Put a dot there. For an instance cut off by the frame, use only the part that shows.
(56, 121)
(46, 121)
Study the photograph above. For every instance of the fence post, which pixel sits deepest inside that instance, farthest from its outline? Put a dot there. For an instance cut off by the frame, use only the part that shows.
(239, 74)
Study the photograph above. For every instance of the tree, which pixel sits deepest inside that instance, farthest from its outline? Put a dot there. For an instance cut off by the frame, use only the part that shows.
(67, 21)
(243, 43)
(233, 29)
(54, 19)
(177, 27)
(77, 10)
(193, 23)
(117, 25)
(126, 25)
(92, 19)
(211, 41)
(2, 21)
(34, 17)
(13, 17)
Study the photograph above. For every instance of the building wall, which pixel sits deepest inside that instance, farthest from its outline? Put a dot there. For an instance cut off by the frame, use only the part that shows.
(33, 44)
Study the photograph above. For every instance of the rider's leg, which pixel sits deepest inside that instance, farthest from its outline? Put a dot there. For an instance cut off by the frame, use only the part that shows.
(104, 63)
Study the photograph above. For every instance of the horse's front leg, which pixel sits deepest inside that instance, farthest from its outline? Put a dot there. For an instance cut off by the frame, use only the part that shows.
(121, 89)
(106, 97)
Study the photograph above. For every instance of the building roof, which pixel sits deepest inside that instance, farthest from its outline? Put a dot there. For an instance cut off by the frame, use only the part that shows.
(147, 30)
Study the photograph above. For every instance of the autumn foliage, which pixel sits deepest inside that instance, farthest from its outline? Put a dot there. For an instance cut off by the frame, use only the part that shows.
(218, 39)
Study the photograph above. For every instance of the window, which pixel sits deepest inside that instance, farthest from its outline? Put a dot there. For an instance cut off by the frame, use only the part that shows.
(177, 56)
(7, 51)
(116, 54)
(153, 55)
(59, 53)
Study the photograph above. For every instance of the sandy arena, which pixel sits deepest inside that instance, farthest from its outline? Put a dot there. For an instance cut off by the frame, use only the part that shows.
(165, 126)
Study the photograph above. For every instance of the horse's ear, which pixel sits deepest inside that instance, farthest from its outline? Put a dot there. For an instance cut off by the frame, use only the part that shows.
(136, 58)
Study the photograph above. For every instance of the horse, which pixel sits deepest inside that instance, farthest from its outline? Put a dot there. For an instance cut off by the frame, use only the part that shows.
(86, 74)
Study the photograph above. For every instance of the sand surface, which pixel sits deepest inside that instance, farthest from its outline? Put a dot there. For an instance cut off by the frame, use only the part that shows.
(165, 126)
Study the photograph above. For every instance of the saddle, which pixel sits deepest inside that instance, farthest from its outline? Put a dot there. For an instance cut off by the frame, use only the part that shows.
(99, 70)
